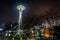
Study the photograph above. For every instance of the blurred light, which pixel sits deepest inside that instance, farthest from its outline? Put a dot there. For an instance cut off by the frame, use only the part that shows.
(21, 38)
(42, 34)
(9, 30)
(9, 35)
(1, 29)
(6, 34)
(35, 34)
(32, 31)
(12, 38)
(20, 7)
(11, 25)
(47, 35)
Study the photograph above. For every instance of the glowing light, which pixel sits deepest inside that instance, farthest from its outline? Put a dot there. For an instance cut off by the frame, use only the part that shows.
(21, 7)
(9, 30)
(21, 39)
(1, 29)
(32, 31)
(9, 34)
(47, 33)
(12, 38)
(6, 34)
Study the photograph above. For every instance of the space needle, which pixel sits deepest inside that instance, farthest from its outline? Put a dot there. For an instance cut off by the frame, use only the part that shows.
(20, 8)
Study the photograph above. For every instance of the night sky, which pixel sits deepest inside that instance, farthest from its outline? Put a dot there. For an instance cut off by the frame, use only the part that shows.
(36, 9)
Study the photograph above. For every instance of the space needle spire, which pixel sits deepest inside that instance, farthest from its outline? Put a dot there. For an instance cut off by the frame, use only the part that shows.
(20, 9)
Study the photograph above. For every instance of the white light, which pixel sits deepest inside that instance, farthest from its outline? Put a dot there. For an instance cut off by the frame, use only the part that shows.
(6, 34)
(1, 29)
(9, 30)
(20, 7)
(9, 34)
(32, 31)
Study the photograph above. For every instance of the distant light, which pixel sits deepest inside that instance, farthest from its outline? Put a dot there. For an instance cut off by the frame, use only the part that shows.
(9, 34)
(47, 35)
(20, 7)
(32, 31)
(9, 30)
(11, 25)
(1, 29)
(6, 34)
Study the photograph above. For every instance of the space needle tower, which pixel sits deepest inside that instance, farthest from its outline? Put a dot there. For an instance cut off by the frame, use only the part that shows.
(20, 8)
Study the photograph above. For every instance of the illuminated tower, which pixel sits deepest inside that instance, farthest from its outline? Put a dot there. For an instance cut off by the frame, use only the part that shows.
(20, 9)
